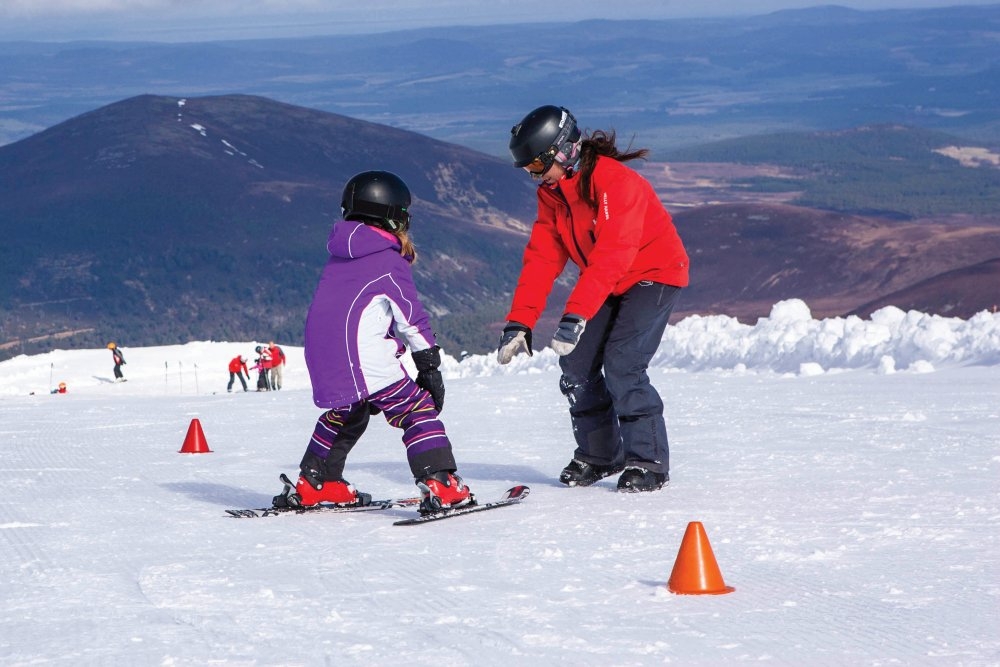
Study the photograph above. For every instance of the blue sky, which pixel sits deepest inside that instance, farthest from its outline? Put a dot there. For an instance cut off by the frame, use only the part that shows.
(198, 20)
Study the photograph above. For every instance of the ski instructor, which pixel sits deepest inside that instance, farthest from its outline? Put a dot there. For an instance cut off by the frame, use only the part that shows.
(607, 219)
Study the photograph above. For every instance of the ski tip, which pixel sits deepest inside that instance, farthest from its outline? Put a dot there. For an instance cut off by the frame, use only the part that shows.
(519, 491)
(510, 497)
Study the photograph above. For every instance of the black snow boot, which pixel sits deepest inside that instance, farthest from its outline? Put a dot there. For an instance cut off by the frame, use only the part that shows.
(581, 473)
(639, 479)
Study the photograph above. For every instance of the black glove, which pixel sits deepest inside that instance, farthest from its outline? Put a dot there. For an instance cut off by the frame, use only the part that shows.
(428, 376)
(568, 334)
(516, 338)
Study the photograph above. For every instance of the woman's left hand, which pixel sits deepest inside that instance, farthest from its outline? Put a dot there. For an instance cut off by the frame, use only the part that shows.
(568, 334)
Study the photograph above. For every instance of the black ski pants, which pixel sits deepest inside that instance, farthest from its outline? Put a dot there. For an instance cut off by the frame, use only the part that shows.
(616, 413)
(232, 378)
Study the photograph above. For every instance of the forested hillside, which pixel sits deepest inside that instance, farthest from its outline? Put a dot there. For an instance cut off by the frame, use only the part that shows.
(885, 169)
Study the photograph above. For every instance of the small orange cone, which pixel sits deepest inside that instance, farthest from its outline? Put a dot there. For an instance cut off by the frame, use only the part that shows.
(695, 570)
(195, 442)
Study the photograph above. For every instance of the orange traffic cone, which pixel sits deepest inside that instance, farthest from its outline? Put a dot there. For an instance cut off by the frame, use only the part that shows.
(195, 443)
(695, 570)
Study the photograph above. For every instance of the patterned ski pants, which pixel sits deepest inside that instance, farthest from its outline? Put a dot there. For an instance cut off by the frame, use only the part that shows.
(405, 406)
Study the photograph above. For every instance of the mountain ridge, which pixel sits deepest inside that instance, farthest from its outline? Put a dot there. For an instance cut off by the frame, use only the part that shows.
(150, 207)
(159, 219)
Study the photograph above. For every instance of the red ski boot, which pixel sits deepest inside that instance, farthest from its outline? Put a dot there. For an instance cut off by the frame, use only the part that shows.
(443, 490)
(338, 491)
(310, 490)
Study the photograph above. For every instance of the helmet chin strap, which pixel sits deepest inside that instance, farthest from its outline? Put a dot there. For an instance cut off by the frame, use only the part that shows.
(568, 156)
(567, 150)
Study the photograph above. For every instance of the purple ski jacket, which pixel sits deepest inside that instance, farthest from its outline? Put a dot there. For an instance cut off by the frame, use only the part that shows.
(363, 315)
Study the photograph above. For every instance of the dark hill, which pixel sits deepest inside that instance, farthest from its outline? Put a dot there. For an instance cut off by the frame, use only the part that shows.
(959, 293)
(156, 220)
(745, 257)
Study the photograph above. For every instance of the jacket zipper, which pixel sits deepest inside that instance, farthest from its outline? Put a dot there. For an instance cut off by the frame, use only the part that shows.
(572, 227)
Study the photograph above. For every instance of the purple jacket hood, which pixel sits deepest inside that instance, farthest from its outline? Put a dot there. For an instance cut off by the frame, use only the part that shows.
(350, 240)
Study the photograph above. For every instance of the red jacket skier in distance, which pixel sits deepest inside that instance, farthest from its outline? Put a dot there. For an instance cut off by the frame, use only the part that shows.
(630, 238)
(238, 364)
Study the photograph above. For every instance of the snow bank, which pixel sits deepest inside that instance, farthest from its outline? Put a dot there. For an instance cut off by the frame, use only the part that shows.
(789, 340)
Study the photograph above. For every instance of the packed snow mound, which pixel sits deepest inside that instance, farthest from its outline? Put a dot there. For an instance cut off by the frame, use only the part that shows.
(789, 340)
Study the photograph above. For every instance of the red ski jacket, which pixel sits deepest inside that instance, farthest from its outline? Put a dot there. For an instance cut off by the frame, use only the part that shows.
(237, 365)
(629, 238)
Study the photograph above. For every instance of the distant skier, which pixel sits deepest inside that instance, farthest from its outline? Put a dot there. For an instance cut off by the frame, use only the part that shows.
(119, 359)
(237, 369)
(364, 314)
(607, 219)
(262, 364)
(277, 364)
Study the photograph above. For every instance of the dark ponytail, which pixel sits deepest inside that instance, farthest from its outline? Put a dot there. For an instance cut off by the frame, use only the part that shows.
(601, 143)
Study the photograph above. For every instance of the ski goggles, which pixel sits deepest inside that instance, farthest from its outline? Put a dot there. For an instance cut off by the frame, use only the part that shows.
(540, 164)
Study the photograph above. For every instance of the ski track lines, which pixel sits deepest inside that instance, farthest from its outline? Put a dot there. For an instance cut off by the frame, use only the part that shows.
(569, 572)
(27, 460)
(64, 467)
(884, 513)
(336, 589)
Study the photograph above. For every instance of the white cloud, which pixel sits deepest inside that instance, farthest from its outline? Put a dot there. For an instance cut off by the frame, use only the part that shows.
(63, 7)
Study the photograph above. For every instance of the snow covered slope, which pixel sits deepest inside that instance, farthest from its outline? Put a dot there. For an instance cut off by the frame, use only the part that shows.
(855, 511)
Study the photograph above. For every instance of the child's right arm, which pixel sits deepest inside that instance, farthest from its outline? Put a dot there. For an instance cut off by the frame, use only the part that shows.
(412, 321)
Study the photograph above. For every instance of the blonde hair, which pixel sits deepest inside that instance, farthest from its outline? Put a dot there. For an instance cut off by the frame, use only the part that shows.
(407, 249)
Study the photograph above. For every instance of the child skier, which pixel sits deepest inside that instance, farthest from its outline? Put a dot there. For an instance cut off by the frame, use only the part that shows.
(364, 312)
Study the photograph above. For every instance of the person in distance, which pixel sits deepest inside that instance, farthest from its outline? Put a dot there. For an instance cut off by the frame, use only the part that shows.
(364, 314)
(602, 215)
(278, 360)
(119, 360)
(237, 369)
(262, 364)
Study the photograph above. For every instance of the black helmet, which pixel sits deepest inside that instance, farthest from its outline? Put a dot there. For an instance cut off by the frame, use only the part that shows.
(378, 196)
(548, 133)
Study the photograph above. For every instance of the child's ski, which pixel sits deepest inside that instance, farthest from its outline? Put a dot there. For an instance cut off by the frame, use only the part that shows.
(511, 496)
(364, 503)
(323, 507)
